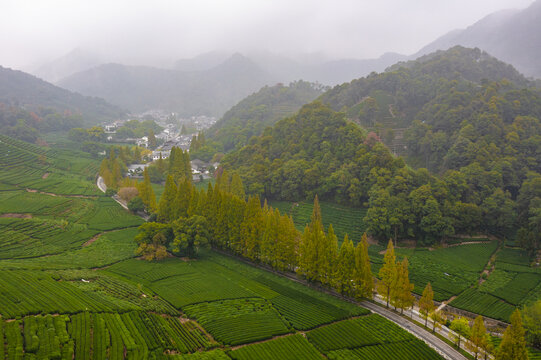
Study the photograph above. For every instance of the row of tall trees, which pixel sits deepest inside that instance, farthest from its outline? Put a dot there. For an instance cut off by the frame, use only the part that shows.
(394, 284)
(513, 345)
(255, 231)
(319, 259)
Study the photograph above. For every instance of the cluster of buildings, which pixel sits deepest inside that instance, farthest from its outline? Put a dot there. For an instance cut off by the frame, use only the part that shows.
(170, 137)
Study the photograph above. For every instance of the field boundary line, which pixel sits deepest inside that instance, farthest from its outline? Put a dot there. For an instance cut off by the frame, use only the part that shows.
(444, 349)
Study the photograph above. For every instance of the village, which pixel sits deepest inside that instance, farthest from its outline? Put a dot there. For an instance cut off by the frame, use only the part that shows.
(177, 132)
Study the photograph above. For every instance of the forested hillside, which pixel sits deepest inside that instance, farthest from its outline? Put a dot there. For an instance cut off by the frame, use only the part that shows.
(481, 138)
(264, 108)
(26, 91)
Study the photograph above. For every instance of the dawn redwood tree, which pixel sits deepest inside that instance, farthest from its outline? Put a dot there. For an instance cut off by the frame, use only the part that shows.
(363, 279)
(166, 206)
(401, 295)
(426, 302)
(345, 265)
(437, 318)
(513, 345)
(146, 193)
(478, 336)
(388, 273)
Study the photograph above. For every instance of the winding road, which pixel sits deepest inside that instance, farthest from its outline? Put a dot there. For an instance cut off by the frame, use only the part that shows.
(444, 349)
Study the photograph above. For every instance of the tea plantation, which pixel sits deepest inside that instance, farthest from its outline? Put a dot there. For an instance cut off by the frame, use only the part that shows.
(71, 287)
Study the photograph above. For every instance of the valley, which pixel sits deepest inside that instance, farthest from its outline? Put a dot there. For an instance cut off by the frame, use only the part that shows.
(271, 198)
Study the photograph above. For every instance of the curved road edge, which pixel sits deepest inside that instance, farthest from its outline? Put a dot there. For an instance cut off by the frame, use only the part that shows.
(101, 185)
(444, 349)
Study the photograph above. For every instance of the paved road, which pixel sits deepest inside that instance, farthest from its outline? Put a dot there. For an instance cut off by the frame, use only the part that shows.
(101, 184)
(444, 349)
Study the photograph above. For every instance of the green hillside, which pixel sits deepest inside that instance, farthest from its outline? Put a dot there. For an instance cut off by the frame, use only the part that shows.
(30, 93)
(256, 112)
(479, 141)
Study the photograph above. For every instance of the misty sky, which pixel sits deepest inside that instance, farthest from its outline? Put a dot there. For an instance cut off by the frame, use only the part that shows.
(146, 32)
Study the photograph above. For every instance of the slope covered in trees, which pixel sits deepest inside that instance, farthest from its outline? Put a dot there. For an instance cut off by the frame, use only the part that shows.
(319, 152)
(264, 108)
(32, 94)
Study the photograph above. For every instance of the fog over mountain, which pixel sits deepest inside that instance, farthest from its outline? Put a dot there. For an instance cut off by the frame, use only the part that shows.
(510, 35)
(157, 33)
(203, 58)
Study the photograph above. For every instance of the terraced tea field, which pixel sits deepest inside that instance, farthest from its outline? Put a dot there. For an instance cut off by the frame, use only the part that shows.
(71, 288)
(344, 219)
(450, 270)
(63, 172)
(512, 284)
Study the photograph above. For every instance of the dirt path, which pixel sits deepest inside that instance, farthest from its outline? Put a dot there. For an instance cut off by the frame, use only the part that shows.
(91, 241)
(62, 195)
(16, 216)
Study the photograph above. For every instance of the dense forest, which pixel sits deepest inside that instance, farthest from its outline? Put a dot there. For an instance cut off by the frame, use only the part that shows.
(478, 134)
(26, 125)
(264, 108)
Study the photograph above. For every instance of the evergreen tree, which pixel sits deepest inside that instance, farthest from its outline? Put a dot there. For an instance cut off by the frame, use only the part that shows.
(363, 272)
(426, 302)
(166, 206)
(190, 235)
(513, 345)
(388, 273)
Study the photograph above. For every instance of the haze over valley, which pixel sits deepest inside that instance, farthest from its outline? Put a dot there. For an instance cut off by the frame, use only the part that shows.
(270, 180)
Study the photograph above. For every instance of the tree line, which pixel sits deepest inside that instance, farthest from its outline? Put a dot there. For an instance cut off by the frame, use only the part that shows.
(188, 220)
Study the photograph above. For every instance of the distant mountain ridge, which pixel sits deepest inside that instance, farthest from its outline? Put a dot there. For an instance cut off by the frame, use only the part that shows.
(75, 61)
(24, 90)
(510, 35)
(139, 88)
